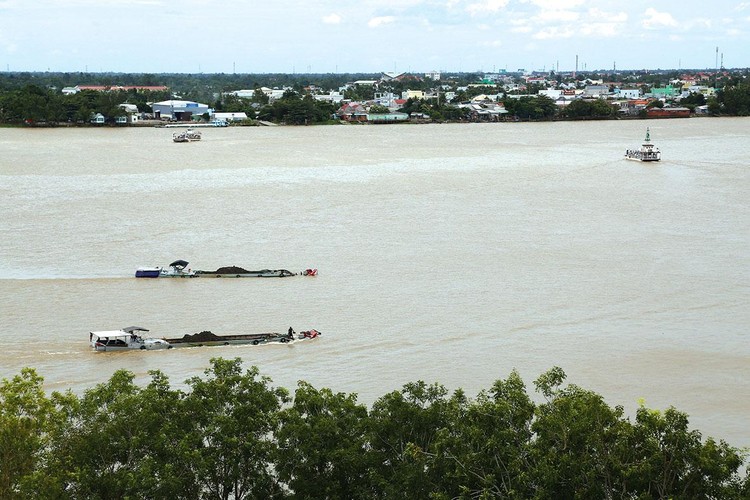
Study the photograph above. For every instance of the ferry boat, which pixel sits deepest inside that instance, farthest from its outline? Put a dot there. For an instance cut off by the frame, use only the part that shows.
(647, 151)
(188, 135)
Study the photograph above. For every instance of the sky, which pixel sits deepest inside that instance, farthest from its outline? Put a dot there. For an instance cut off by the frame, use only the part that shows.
(371, 36)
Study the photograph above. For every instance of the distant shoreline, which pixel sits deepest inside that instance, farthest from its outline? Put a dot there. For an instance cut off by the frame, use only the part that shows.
(256, 123)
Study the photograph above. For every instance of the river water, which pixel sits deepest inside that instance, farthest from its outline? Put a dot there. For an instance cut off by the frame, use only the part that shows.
(446, 253)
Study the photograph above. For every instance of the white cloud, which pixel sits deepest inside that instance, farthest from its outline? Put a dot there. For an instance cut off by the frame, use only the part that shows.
(601, 29)
(486, 6)
(380, 21)
(655, 19)
(521, 29)
(332, 19)
(554, 16)
(557, 4)
(554, 32)
(619, 17)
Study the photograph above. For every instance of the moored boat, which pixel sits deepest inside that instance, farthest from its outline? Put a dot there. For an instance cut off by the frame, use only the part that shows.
(647, 151)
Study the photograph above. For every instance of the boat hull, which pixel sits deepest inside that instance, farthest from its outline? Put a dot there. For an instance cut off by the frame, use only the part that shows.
(633, 158)
(207, 338)
(230, 272)
(148, 272)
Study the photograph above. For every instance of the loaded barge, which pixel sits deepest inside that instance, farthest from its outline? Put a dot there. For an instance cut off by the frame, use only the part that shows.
(131, 338)
(179, 269)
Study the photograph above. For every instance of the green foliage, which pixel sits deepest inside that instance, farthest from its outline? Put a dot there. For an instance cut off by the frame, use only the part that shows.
(322, 445)
(232, 435)
(437, 112)
(25, 414)
(359, 93)
(230, 420)
(292, 109)
(596, 108)
(694, 99)
(378, 109)
(735, 99)
(32, 104)
(531, 108)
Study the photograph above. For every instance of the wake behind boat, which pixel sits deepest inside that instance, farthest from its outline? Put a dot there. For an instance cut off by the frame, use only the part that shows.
(647, 151)
(177, 269)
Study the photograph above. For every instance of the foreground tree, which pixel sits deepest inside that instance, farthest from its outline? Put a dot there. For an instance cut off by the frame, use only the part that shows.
(230, 420)
(26, 416)
(405, 428)
(575, 451)
(323, 445)
(486, 451)
(231, 435)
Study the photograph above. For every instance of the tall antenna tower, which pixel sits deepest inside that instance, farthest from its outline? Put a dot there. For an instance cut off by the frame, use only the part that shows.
(716, 62)
(716, 65)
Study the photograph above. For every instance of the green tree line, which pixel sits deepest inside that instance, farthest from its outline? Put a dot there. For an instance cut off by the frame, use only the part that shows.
(231, 434)
(35, 104)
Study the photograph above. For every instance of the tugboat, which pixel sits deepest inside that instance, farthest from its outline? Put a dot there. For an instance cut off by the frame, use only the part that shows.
(177, 271)
(647, 151)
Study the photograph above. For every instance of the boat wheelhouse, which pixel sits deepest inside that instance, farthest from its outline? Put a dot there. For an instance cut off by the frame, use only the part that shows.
(647, 151)
(128, 338)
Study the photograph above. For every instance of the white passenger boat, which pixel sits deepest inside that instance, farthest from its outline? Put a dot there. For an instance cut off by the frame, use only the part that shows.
(189, 135)
(124, 340)
(647, 151)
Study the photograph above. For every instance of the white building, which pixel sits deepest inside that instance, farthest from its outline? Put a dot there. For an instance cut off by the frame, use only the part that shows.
(332, 97)
(131, 111)
(553, 94)
(179, 110)
(245, 94)
(627, 93)
(229, 117)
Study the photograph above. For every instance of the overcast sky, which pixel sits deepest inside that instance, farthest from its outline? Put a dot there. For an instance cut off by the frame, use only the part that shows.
(370, 36)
